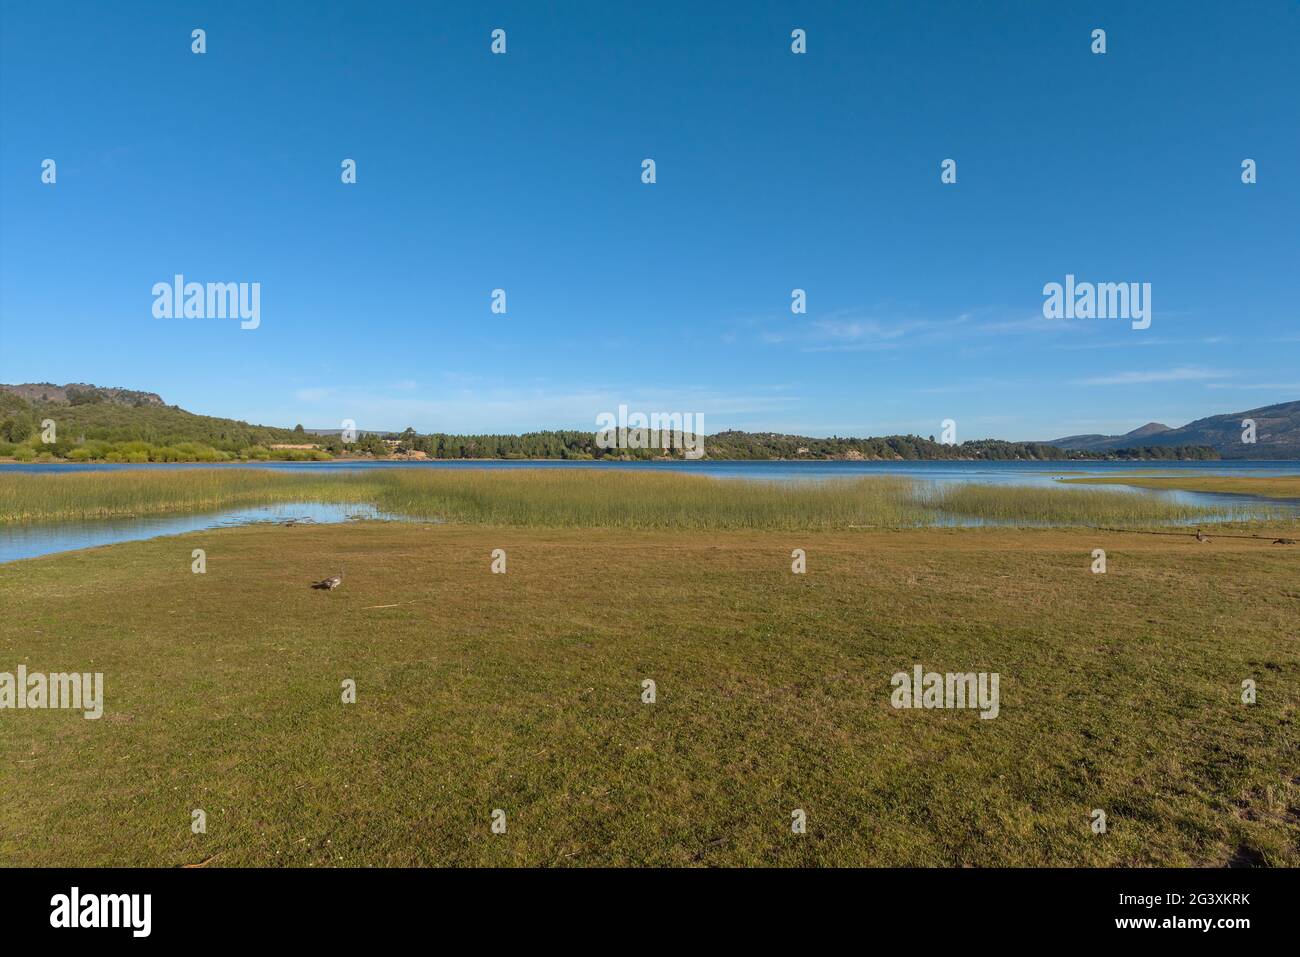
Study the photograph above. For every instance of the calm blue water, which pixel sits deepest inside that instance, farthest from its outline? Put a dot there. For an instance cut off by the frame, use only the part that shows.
(1023, 473)
(30, 540)
(44, 538)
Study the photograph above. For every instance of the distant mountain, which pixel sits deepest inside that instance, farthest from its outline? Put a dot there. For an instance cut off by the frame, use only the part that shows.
(95, 422)
(87, 412)
(1142, 431)
(1277, 434)
(80, 393)
(1103, 442)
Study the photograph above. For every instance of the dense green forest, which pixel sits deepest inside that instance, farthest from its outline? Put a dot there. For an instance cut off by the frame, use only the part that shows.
(91, 424)
(758, 445)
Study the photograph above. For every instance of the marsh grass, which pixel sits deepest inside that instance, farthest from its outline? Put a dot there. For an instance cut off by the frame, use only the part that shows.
(645, 500)
(1048, 506)
(1268, 486)
(91, 495)
(580, 499)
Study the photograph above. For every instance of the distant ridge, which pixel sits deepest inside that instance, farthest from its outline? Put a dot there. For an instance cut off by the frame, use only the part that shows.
(95, 421)
(1085, 441)
(1151, 428)
(85, 412)
(79, 393)
(1277, 434)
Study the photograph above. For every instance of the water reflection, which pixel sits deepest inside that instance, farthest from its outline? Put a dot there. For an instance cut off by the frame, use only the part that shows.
(42, 538)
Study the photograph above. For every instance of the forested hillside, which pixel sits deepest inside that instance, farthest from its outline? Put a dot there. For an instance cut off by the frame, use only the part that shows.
(119, 425)
(1268, 432)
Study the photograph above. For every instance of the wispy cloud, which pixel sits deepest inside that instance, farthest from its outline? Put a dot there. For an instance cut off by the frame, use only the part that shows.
(1142, 342)
(1181, 374)
(857, 330)
(1258, 386)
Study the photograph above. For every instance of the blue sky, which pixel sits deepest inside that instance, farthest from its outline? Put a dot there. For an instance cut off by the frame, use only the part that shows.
(775, 171)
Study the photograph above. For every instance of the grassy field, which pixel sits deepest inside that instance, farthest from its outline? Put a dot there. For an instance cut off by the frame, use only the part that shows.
(476, 691)
(1279, 486)
(553, 498)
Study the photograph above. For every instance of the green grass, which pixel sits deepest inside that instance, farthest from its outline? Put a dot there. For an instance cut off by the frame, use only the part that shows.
(522, 692)
(1048, 506)
(555, 498)
(84, 495)
(1269, 486)
(643, 500)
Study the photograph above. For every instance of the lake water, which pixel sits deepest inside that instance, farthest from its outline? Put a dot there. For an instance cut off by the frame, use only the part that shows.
(28, 540)
(41, 538)
(1023, 473)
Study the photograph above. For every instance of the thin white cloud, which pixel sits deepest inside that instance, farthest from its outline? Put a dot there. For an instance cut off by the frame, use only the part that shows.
(1141, 342)
(1262, 386)
(852, 330)
(1181, 374)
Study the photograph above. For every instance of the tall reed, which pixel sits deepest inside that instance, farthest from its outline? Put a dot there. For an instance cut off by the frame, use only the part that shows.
(26, 497)
(632, 499)
(578, 498)
(1058, 505)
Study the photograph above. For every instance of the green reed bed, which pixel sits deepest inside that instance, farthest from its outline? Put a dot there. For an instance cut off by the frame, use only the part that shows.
(580, 498)
(625, 499)
(1048, 506)
(88, 495)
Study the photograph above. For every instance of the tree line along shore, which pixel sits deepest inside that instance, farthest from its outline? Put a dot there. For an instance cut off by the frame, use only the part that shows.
(93, 425)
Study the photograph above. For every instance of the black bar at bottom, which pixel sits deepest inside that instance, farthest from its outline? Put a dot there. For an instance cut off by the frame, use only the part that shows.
(337, 906)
